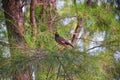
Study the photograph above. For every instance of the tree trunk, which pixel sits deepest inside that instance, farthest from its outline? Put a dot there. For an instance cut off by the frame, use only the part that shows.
(16, 30)
(48, 12)
(89, 2)
(32, 18)
(14, 19)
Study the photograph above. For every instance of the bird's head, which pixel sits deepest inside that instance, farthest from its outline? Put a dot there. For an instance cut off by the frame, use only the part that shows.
(56, 34)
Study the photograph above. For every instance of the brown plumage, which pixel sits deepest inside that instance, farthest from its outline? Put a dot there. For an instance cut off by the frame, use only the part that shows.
(60, 40)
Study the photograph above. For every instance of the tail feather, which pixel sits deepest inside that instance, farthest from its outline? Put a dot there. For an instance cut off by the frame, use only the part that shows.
(71, 45)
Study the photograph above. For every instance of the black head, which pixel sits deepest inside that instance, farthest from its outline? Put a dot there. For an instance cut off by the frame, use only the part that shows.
(56, 34)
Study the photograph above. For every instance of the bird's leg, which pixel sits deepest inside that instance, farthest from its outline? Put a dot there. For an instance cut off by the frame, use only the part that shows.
(62, 48)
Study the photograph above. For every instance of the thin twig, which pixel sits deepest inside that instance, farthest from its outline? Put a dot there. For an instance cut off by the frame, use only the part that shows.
(94, 47)
(62, 65)
(49, 69)
(89, 39)
(58, 72)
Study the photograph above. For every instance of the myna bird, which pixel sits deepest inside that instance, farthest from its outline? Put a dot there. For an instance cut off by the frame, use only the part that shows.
(60, 40)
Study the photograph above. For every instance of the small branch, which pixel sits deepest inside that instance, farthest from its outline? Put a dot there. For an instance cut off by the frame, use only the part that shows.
(62, 65)
(94, 47)
(79, 24)
(77, 29)
(58, 72)
(7, 13)
(49, 69)
(89, 39)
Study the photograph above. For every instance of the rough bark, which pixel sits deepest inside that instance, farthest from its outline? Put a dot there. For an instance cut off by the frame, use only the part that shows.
(14, 19)
(32, 18)
(16, 30)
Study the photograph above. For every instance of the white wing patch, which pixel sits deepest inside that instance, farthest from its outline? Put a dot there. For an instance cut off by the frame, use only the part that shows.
(63, 41)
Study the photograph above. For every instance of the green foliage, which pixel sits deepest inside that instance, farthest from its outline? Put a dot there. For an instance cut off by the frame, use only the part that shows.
(69, 64)
(46, 41)
(72, 64)
(117, 64)
(16, 63)
(3, 35)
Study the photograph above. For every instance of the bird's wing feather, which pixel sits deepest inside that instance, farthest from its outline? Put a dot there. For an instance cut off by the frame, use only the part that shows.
(62, 40)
